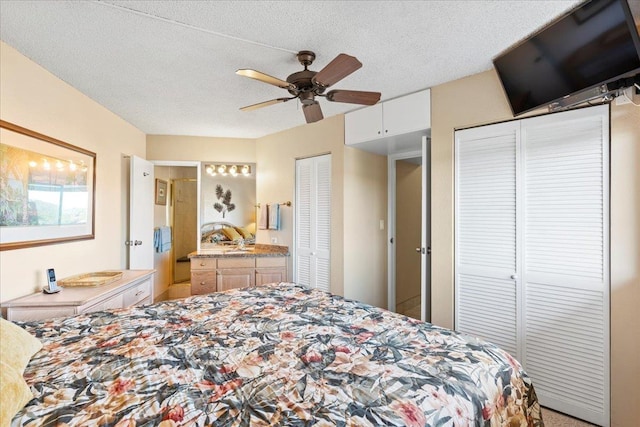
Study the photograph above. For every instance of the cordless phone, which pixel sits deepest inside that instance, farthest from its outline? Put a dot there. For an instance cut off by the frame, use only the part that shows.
(52, 286)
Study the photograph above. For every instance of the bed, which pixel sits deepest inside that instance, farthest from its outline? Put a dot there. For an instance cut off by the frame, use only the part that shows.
(278, 354)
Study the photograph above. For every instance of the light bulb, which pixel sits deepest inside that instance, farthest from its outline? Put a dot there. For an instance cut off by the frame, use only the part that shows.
(222, 169)
(209, 170)
(46, 165)
(33, 164)
(246, 170)
(72, 166)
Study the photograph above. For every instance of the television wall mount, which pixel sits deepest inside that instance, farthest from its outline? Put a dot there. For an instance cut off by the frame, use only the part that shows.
(604, 93)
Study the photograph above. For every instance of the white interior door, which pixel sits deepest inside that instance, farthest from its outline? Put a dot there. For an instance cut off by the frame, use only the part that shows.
(486, 234)
(141, 199)
(313, 222)
(565, 275)
(532, 251)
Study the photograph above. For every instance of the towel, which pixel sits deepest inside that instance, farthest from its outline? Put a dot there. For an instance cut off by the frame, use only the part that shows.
(274, 216)
(264, 215)
(162, 239)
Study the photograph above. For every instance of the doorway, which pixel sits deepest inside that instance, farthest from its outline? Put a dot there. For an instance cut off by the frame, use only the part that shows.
(184, 223)
(409, 251)
(408, 239)
(183, 188)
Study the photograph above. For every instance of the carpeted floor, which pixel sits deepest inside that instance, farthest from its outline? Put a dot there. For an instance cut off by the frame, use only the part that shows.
(556, 419)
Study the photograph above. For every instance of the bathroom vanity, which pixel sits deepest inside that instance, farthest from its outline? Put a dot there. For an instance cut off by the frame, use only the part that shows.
(219, 269)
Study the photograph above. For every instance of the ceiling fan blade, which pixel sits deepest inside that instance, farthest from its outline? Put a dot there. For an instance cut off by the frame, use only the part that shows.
(257, 75)
(336, 70)
(265, 104)
(312, 112)
(353, 96)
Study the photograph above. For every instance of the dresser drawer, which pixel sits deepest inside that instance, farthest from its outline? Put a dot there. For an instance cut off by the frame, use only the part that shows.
(137, 294)
(203, 282)
(28, 314)
(117, 301)
(236, 262)
(203, 263)
(276, 261)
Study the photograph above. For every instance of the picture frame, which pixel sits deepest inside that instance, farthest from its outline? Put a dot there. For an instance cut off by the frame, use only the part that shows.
(47, 189)
(161, 192)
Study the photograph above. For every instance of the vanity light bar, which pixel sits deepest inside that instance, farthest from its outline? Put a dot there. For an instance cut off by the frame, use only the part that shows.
(224, 170)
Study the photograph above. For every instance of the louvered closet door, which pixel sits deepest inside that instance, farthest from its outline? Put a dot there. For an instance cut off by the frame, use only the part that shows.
(486, 234)
(566, 273)
(313, 222)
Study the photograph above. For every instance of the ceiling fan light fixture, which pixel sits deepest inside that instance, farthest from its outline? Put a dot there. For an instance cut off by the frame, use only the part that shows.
(307, 84)
(312, 112)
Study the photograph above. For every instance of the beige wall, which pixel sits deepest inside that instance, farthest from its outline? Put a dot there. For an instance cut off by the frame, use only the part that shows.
(479, 99)
(358, 194)
(625, 265)
(275, 182)
(365, 245)
(32, 97)
(408, 227)
(200, 148)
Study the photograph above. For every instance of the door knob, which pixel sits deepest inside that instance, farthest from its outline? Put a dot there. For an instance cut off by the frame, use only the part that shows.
(514, 276)
(418, 250)
(137, 243)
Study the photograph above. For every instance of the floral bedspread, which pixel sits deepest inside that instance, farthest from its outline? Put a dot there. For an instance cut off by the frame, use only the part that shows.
(272, 355)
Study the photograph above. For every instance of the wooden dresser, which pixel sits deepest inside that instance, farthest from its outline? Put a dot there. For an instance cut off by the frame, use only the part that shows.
(134, 288)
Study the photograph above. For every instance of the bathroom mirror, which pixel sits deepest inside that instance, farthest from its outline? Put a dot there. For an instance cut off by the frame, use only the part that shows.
(227, 197)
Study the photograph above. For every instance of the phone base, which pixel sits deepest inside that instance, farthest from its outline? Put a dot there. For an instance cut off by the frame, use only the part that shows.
(47, 291)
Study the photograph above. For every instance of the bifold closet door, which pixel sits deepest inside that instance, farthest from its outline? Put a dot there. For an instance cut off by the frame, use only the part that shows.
(532, 251)
(313, 222)
(486, 234)
(566, 260)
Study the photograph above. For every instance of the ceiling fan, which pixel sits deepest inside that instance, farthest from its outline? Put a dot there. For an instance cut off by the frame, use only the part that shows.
(305, 85)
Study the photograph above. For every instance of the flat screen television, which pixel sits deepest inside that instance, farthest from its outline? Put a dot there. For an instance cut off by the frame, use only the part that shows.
(594, 44)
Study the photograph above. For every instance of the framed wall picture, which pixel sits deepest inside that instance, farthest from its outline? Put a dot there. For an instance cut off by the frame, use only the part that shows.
(161, 192)
(47, 189)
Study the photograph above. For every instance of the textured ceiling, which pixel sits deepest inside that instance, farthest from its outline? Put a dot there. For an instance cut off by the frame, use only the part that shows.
(168, 67)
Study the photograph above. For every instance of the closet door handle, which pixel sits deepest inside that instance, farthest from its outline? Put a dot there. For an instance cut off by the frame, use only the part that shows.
(514, 276)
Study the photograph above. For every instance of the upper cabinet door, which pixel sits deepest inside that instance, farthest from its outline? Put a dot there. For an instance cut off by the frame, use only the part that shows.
(407, 113)
(363, 125)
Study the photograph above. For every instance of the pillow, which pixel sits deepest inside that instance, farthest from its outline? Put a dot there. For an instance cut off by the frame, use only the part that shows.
(14, 393)
(17, 346)
(244, 233)
(231, 233)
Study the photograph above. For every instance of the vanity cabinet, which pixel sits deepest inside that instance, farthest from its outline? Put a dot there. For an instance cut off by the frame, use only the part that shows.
(270, 270)
(235, 273)
(398, 116)
(210, 274)
(134, 288)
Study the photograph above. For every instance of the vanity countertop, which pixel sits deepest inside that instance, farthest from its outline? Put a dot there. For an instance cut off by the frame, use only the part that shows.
(259, 250)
